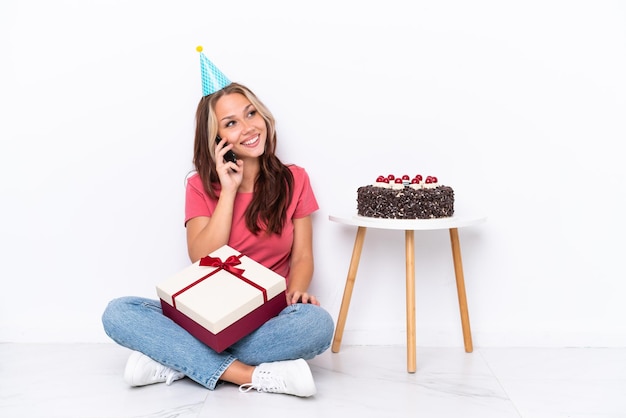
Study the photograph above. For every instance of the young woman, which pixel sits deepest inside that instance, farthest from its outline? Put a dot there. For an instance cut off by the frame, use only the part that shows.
(262, 208)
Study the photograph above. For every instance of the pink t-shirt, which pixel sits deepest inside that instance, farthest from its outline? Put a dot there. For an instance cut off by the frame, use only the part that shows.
(272, 251)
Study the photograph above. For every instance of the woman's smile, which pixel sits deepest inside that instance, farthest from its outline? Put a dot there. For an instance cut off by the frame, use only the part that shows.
(252, 142)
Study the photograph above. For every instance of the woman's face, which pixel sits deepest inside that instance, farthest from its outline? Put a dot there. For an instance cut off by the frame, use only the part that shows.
(240, 124)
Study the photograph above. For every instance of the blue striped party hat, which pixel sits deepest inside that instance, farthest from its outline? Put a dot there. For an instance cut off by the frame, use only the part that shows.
(212, 78)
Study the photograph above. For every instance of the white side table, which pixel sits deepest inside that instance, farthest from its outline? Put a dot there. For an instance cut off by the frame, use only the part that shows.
(409, 227)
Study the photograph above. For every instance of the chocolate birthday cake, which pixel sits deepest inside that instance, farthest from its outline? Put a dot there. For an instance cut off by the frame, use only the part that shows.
(394, 197)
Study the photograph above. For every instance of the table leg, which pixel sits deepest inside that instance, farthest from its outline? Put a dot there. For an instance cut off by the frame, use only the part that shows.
(460, 287)
(347, 293)
(410, 300)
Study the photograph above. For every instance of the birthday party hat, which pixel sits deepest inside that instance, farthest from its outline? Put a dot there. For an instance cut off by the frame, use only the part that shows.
(212, 78)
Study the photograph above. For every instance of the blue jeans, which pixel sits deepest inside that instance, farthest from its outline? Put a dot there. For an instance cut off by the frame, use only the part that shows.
(299, 331)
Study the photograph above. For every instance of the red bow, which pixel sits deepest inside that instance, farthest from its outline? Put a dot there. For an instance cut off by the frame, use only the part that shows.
(228, 265)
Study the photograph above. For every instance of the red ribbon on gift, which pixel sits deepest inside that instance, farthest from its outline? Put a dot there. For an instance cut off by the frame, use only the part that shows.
(228, 265)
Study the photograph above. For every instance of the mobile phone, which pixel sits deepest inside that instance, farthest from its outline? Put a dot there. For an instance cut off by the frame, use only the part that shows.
(230, 155)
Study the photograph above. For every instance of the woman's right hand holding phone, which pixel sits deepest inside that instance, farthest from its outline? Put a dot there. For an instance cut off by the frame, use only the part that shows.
(230, 173)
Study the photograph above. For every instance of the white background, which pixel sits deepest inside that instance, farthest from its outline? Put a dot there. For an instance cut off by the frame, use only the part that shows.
(518, 105)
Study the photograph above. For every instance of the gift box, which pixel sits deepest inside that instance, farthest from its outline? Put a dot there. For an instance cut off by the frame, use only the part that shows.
(223, 297)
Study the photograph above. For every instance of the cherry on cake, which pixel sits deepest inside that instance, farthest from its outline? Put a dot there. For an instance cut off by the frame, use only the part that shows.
(405, 197)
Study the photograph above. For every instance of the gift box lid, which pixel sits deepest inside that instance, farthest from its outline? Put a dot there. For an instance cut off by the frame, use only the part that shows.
(215, 297)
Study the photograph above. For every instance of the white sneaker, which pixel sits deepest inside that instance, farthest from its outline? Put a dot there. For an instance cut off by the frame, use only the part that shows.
(292, 377)
(141, 370)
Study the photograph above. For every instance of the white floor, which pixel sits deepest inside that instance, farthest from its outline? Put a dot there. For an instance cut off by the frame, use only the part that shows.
(85, 381)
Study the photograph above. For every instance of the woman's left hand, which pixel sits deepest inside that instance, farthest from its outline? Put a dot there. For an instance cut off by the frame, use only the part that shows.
(301, 297)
